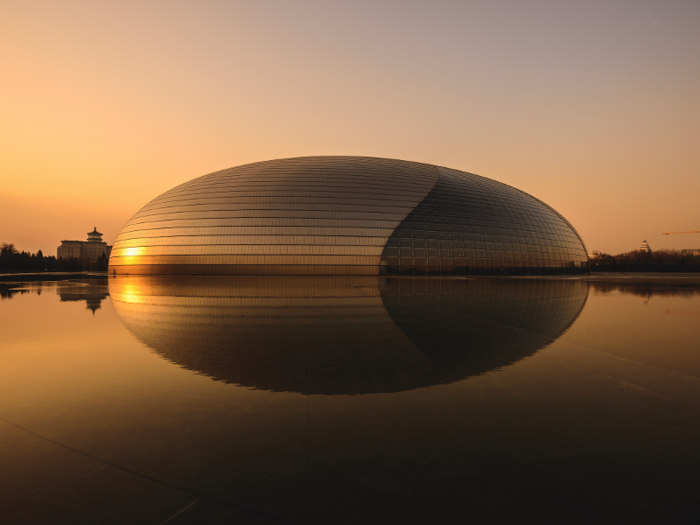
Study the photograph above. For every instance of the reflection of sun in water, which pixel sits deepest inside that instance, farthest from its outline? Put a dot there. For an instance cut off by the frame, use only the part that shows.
(131, 298)
(130, 294)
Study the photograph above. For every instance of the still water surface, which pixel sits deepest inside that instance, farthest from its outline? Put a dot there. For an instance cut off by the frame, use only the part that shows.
(348, 400)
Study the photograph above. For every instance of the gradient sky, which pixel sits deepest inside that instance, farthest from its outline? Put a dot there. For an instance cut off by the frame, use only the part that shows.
(591, 106)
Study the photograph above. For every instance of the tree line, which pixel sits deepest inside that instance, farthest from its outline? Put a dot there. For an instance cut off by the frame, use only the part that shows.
(14, 261)
(643, 261)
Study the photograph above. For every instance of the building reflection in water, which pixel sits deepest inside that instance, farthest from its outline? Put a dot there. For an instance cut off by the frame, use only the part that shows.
(344, 335)
(92, 298)
(74, 290)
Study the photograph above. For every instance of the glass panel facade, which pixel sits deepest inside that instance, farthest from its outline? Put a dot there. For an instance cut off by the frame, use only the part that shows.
(471, 225)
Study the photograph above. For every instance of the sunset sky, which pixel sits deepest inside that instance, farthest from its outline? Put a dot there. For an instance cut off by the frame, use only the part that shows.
(591, 106)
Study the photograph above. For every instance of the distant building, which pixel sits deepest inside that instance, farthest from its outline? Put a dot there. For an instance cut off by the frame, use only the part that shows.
(691, 251)
(645, 246)
(91, 249)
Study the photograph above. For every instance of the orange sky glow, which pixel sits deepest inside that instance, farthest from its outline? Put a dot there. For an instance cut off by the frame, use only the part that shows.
(592, 107)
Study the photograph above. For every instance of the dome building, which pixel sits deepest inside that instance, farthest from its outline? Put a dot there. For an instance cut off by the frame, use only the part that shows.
(346, 216)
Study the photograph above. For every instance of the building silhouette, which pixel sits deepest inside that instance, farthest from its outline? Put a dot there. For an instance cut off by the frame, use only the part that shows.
(91, 249)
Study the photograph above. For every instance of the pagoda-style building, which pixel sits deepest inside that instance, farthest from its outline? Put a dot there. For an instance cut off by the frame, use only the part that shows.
(645, 247)
(90, 250)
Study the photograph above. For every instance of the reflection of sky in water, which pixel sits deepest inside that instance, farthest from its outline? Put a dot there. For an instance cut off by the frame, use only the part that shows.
(491, 400)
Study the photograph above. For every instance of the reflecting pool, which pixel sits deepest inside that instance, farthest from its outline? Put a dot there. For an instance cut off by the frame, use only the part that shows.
(348, 400)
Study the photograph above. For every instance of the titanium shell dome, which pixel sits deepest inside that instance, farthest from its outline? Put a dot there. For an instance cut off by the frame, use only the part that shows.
(346, 216)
